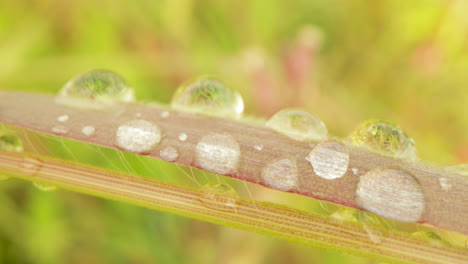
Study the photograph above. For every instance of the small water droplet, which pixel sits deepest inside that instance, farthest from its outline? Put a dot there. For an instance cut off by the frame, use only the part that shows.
(391, 193)
(281, 174)
(431, 237)
(63, 118)
(258, 147)
(218, 153)
(88, 130)
(169, 154)
(9, 141)
(182, 136)
(219, 196)
(384, 137)
(210, 97)
(30, 166)
(298, 125)
(355, 171)
(44, 187)
(95, 89)
(329, 160)
(60, 130)
(139, 136)
(445, 184)
(165, 114)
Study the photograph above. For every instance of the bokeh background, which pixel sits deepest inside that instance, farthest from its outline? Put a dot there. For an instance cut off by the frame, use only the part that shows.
(345, 61)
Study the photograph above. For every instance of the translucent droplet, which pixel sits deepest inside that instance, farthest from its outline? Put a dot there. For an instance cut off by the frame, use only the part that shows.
(281, 174)
(44, 187)
(60, 130)
(139, 136)
(298, 125)
(329, 160)
(30, 166)
(88, 130)
(355, 171)
(445, 184)
(431, 237)
(165, 114)
(95, 89)
(182, 137)
(258, 147)
(9, 141)
(391, 193)
(210, 97)
(384, 137)
(63, 118)
(169, 154)
(218, 153)
(220, 197)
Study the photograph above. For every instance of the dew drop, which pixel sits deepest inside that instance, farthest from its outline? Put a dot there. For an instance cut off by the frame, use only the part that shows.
(258, 147)
(9, 141)
(165, 114)
(218, 153)
(355, 171)
(281, 174)
(391, 193)
(60, 130)
(95, 89)
(219, 196)
(431, 237)
(139, 136)
(210, 97)
(44, 187)
(298, 125)
(329, 160)
(169, 154)
(182, 137)
(88, 130)
(63, 118)
(445, 184)
(384, 137)
(30, 166)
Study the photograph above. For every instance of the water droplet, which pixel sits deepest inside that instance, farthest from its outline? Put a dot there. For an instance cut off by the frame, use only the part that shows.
(88, 130)
(355, 171)
(462, 169)
(281, 174)
(219, 196)
(391, 193)
(218, 153)
(169, 154)
(139, 136)
(9, 141)
(30, 166)
(384, 137)
(60, 130)
(95, 89)
(431, 237)
(208, 96)
(445, 184)
(63, 118)
(182, 136)
(165, 114)
(298, 125)
(44, 187)
(258, 147)
(329, 160)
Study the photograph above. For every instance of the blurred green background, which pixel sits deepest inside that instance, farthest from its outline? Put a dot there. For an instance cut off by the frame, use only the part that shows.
(343, 60)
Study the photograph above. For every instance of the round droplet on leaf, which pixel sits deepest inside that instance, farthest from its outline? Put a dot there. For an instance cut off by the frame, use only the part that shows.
(9, 141)
(96, 89)
(169, 154)
(329, 160)
(138, 136)
(384, 137)
(219, 196)
(210, 97)
(298, 125)
(218, 153)
(281, 174)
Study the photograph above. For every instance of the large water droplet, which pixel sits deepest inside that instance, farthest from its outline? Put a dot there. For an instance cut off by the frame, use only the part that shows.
(44, 187)
(96, 89)
(210, 97)
(218, 153)
(329, 160)
(219, 196)
(391, 193)
(139, 136)
(384, 137)
(298, 125)
(9, 141)
(281, 174)
(169, 154)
